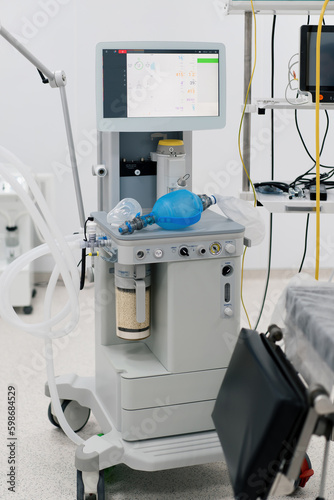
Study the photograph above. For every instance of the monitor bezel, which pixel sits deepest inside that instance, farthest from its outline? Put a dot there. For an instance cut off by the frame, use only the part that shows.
(326, 93)
(157, 124)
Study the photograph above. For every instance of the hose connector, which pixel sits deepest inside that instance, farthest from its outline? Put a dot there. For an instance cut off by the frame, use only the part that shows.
(91, 233)
(207, 201)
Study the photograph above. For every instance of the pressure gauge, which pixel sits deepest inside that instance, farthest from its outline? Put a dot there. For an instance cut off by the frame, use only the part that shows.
(215, 248)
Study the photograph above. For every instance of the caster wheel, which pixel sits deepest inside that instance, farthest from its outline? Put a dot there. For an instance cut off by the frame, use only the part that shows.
(90, 485)
(76, 415)
(27, 309)
(52, 419)
(306, 472)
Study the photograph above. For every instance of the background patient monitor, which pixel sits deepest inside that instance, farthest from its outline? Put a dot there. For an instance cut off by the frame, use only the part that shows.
(308, 39)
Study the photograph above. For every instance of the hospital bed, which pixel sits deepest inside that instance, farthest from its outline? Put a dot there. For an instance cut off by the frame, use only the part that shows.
(274, 398)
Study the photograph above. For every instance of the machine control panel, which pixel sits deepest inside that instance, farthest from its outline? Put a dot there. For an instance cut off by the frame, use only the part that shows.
(172, 251)
(213, 237)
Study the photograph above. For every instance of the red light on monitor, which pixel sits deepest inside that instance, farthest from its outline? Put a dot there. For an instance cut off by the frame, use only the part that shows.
(122, 51)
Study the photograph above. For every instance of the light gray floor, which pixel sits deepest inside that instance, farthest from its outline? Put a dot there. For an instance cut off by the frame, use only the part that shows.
(46, 457)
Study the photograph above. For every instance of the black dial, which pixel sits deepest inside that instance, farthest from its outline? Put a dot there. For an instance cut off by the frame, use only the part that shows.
(227, 270)
(184, 252)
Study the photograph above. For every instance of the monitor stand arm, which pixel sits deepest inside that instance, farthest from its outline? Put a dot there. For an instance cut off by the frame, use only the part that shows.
(55, 79)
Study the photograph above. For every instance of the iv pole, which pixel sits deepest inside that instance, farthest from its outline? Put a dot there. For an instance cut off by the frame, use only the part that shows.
(55, 79)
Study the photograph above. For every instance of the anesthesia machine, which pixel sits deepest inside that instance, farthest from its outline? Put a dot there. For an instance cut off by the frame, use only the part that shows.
(167, 299)
(167, 278)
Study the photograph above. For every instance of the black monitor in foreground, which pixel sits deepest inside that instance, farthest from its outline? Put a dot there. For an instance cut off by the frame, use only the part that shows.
(307, 62)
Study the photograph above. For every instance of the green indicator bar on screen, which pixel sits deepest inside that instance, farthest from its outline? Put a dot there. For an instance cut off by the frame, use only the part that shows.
(208, 60)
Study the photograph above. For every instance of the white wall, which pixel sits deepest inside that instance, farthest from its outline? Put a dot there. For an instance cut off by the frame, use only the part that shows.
(63, 34)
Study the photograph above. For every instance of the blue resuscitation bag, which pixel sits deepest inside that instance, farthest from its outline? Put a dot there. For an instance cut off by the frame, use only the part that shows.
(177, 209)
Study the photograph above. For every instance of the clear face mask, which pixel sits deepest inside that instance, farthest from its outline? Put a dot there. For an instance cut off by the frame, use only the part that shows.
(126, 209)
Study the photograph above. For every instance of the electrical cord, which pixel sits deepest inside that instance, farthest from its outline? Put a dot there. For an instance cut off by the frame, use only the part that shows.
(83, 269)
(272, 146)
(317, 138)
(282, 186)
(83, 256)
(307, 183)
(305, 243)
(293, 103)
(303, 179)
(242, 160)
(292, 77)
(291, 65)
(323, 141)
(317, 164)
(245, 105)
(307, 179)
(241, 289)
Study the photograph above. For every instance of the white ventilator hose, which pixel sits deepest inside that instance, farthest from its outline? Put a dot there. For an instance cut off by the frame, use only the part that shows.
(61, 254)
(65, 265)
(50, 365)
(42, 329)
(59, 249)
(39, 199)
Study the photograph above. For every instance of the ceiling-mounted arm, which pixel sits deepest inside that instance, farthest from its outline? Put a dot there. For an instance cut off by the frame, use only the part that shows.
(56, 79)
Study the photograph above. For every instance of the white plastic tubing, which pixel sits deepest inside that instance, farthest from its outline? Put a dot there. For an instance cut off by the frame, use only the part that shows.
(59, 247)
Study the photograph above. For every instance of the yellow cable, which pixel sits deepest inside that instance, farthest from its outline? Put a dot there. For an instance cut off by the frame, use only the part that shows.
(243, 163)
(245, 105)
(317, 139)
(242, 280)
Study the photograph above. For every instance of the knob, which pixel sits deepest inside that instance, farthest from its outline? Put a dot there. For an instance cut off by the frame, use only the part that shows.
(230, 248)
(228, 311)
(158, 253)
(227, 270)
(184, 252)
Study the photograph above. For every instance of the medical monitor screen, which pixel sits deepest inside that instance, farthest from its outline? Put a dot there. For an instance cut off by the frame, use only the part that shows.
(161, 88)
(308, 40)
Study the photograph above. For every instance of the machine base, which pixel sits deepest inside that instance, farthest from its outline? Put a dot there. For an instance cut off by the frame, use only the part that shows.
(101, 452)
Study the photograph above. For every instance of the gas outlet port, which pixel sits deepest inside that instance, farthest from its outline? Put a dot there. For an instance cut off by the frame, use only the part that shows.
(140, 254)
(201, 250)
